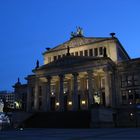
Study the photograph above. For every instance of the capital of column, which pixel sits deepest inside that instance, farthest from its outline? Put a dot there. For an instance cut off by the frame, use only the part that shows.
(48, 77)
(90, 71)
(75, 74)
(107, 69)
(90, 74)
(61, 76)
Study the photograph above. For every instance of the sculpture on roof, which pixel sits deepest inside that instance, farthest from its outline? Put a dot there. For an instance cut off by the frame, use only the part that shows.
(78, 33)
(37, 64)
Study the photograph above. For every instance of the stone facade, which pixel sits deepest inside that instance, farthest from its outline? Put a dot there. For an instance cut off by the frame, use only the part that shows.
(20, 95)
(8, 98)
(82, 72)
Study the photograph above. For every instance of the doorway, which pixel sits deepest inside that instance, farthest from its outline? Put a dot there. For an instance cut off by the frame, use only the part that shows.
(52, 104)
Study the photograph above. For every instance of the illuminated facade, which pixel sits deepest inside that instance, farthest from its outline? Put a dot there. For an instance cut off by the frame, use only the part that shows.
(82, 72)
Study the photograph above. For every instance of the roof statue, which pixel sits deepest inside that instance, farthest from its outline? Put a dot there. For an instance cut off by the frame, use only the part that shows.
(78, 33)
(37, 64)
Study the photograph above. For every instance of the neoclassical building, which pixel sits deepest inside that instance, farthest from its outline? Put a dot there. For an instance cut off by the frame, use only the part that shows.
(84, 71)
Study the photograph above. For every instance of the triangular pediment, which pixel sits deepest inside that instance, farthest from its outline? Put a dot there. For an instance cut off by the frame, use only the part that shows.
(78, 41)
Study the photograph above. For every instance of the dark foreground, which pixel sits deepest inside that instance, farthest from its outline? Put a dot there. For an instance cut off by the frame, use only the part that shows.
(72, 134)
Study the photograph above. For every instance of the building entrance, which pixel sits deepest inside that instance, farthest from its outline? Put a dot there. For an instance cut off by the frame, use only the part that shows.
(52, 104)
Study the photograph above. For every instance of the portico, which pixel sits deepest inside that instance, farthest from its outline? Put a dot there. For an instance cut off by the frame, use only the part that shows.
(66, 86)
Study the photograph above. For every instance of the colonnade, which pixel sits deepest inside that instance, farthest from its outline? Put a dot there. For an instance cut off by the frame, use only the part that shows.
(73, 102)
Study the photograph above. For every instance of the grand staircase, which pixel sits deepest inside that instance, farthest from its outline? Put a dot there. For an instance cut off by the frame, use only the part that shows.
(70, 119)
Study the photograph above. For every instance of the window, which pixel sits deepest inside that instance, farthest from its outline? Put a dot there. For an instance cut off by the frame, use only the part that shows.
(101, 51)
(54, 58)
(127, 80)
(130, 96)
(91, 52)
(81, 53)
(136, 80)
(85, 52)
(124, 97)
(76, 53)
(95, 52)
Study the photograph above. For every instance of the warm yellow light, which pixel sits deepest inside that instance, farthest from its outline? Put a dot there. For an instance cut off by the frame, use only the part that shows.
(17, 105)
(83, 102)
(69, 103)
(57, 103)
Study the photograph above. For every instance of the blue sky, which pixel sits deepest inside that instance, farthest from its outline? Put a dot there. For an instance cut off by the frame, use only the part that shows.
(27, 27)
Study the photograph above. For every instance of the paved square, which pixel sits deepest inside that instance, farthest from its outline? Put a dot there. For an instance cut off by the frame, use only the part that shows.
(72, 134)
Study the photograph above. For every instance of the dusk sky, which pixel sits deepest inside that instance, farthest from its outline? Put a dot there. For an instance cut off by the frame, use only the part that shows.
(27, 27)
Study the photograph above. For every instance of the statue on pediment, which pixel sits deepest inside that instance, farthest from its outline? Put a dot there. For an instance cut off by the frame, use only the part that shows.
(78, 33)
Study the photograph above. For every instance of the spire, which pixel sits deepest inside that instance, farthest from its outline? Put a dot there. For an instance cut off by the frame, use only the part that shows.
(68, 51)
(18, 80)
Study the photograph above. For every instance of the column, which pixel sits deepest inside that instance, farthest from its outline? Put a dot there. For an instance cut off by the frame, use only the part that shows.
(36, 95)
(44, 97)
(90, 88)
(29, 99)
(75, 92)
(48, 93)
(113, 90)
(107, 87)
(61, 92)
